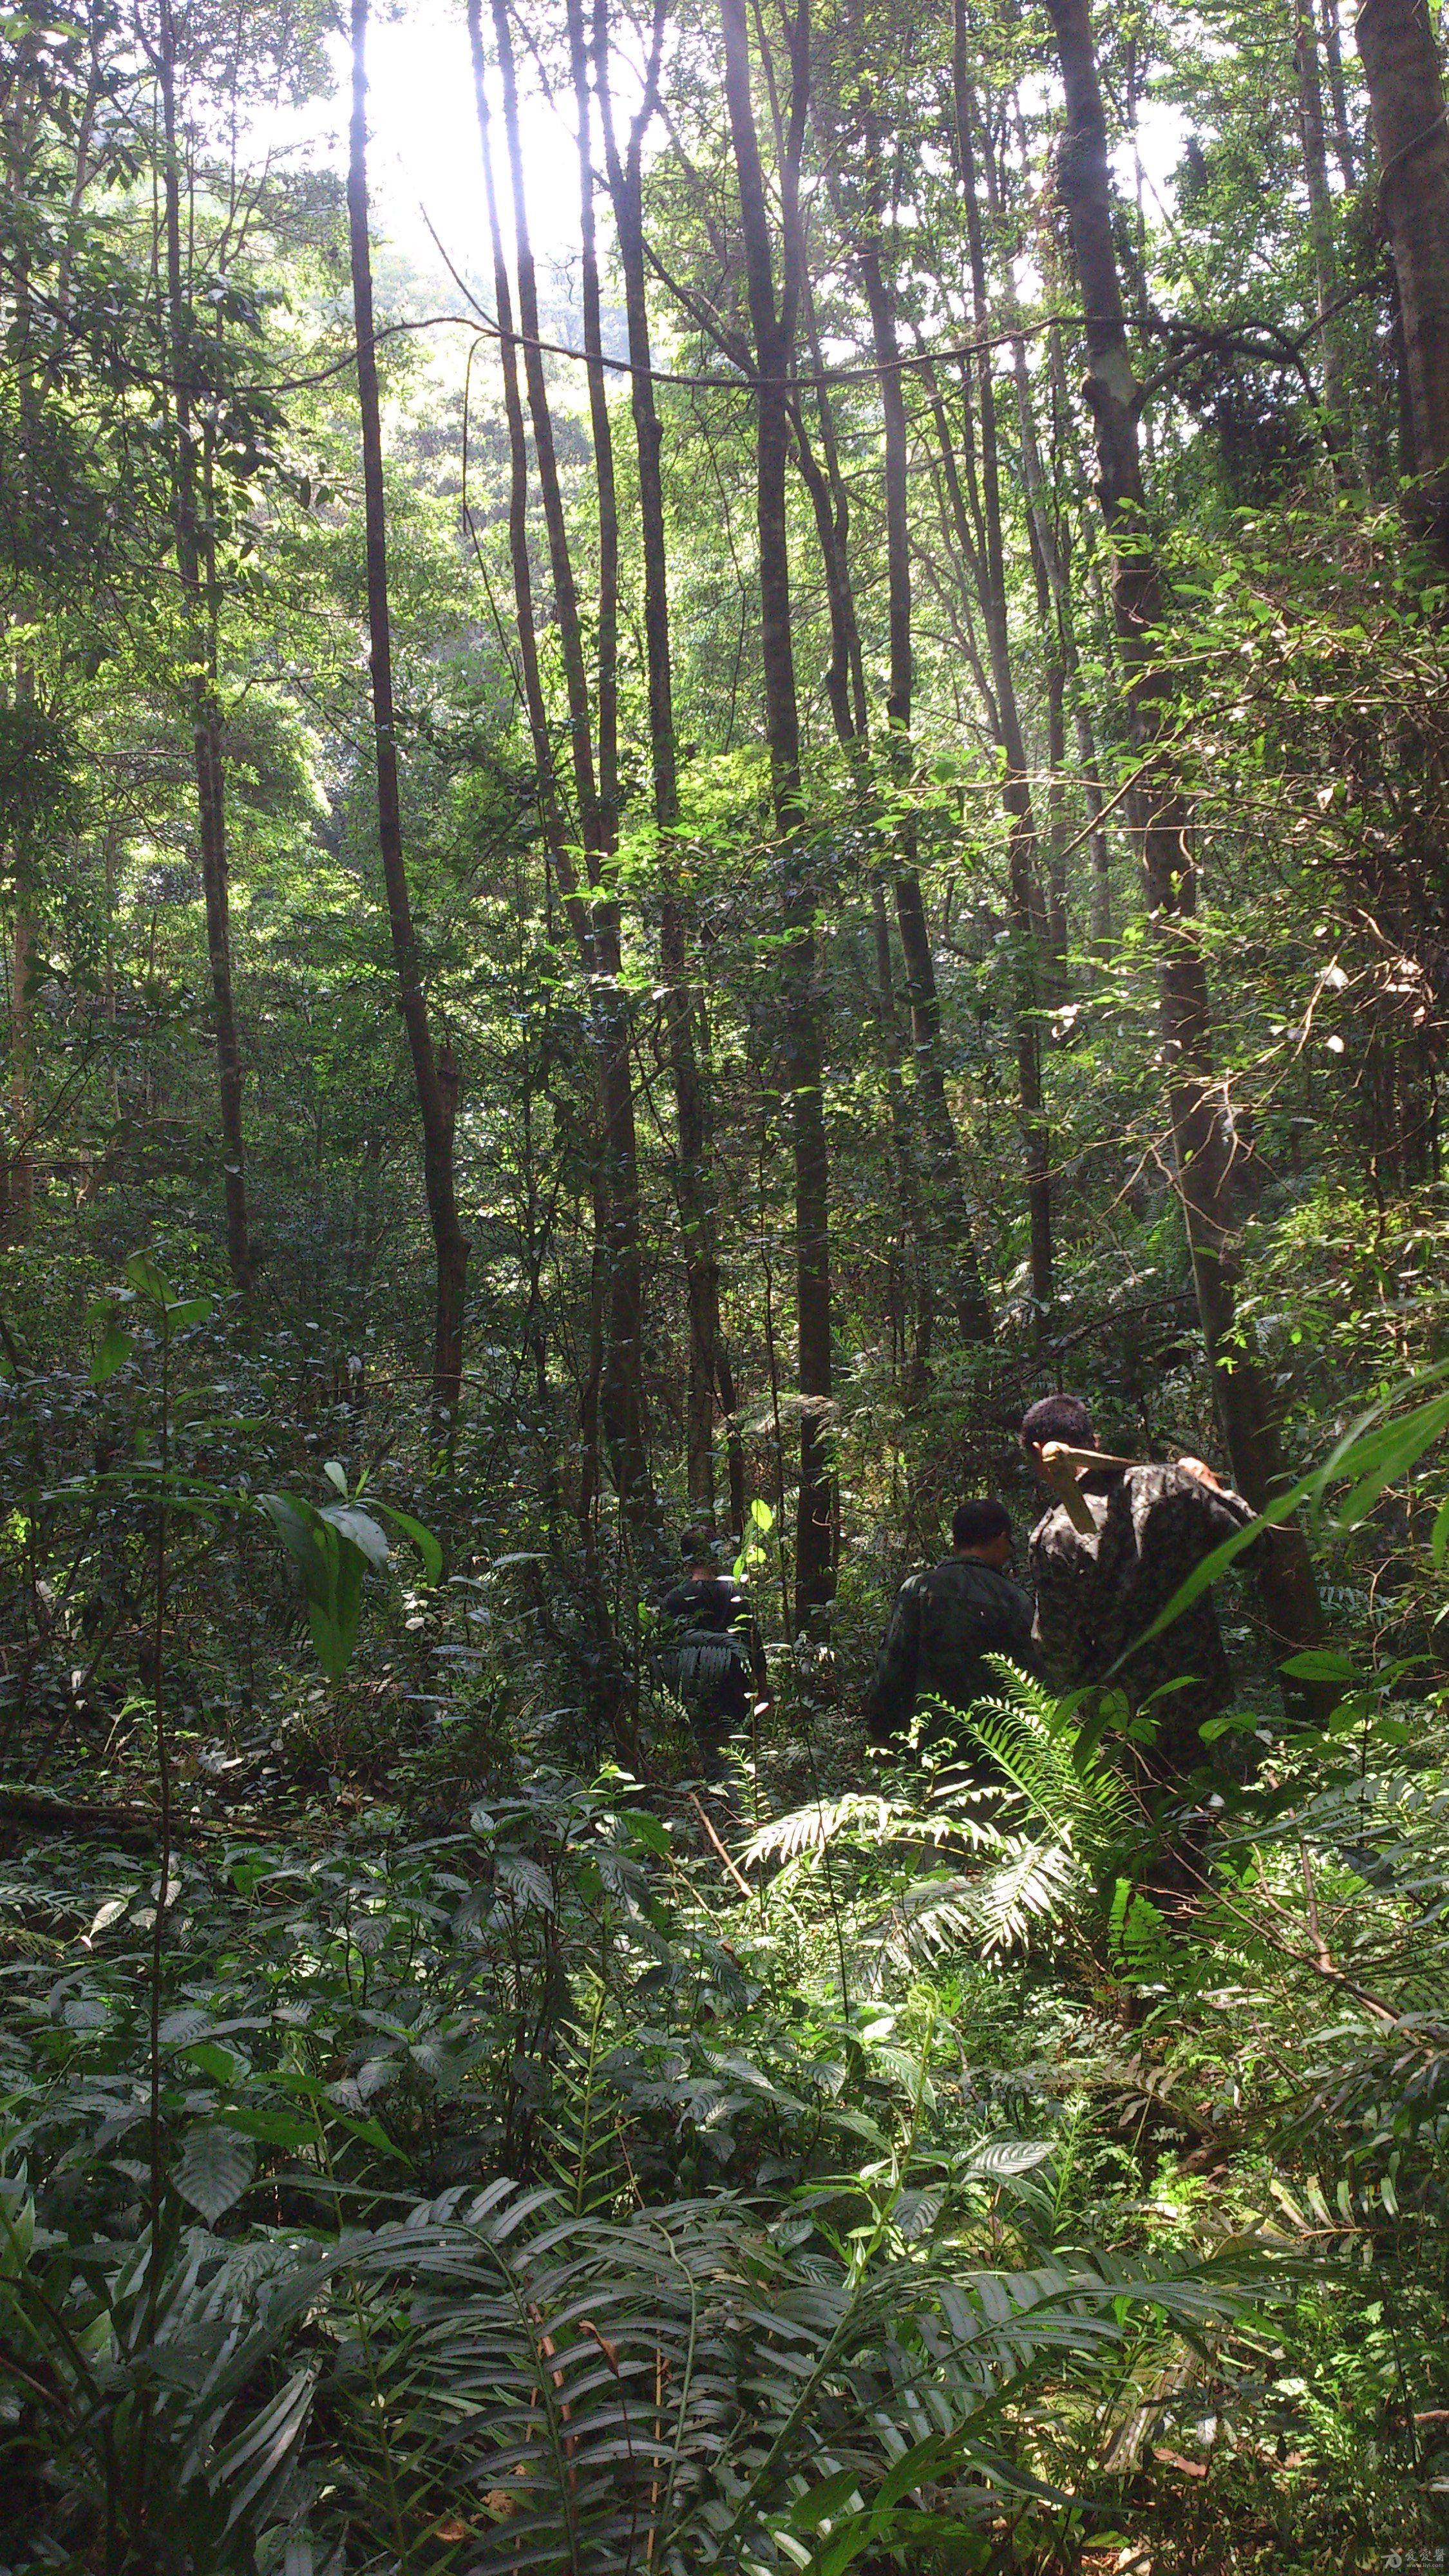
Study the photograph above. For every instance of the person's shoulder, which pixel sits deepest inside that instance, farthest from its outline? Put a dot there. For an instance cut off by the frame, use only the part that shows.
(1170, 1496)
(1164, 1480)
(1056, 1535)
(917, 1586)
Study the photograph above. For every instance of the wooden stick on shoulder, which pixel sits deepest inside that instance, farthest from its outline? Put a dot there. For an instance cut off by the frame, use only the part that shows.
(1061, 1465)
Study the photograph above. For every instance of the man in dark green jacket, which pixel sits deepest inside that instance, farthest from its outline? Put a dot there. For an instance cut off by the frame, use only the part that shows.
(944, 1625)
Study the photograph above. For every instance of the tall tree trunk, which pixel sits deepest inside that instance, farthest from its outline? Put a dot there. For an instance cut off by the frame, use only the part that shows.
(1400, 57)
(614, 1703)
(950, 1237)
(907, 1177)
(17, 1180)
(937, 1207)
(845, 690)
(433, 1078)
(193, 547)
(621, 1399)
(1337, 415)
(773, 329)
(695, 1182)
(1024, 895)
(1343, 150)
(1052, 555)
(1163, 822)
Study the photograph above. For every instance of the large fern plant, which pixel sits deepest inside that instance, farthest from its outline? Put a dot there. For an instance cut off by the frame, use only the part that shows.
(996, 1864)
(690, 2389)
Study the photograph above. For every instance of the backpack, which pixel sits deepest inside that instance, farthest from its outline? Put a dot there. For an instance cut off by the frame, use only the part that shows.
(700, 1662)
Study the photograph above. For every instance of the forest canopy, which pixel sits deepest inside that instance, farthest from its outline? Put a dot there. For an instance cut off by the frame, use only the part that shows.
(672, 835)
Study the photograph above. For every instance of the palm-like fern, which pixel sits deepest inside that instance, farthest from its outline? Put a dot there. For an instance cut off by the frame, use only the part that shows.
(685, 2391)
(582, 2149)
(1070, 1787)
(1065, 1813)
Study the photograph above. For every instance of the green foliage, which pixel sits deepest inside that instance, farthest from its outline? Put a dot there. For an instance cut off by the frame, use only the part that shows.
(441, 2133)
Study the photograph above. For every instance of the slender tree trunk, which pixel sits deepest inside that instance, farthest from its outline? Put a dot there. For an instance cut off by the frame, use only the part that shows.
(193, 548)
(613, 1706)
(18, 1171)
(773, 328)
(1337, 414)
(937, 1207)
(1163, 822)
(1024, 895)
(950, 1240)
(1400, 57)
(433, 1078)
(907, 1177)
(695, 1170)
(845, 690)
(1343, 150)
(621, 1401)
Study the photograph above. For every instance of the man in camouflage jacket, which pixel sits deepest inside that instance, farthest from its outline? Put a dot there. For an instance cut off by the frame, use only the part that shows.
(1095, 1596)
(943, 1626)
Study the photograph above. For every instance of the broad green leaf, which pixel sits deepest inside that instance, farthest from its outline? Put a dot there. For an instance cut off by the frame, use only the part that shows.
(191, 1310)
(1390, 1454)
(272, 2128)
(115, 1349)
(296, 1526)
(148, 1281)
(1320, 1664)
(360, 1530)
(214, 2170)
(336, 1476)
(218, 2063)
(1001, 2159)
(423, 1540)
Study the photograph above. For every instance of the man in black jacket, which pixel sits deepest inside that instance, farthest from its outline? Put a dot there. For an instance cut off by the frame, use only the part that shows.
(942, 1628)
(711, 1654)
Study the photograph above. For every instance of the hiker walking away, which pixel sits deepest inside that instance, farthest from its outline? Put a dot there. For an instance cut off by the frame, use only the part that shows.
(944, 1624)
(712, 1657)
(1096, 1595)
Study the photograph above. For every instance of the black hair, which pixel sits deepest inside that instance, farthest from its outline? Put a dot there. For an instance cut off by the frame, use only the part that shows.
(1058, 1417)
(977, 1524)
(696, 1544)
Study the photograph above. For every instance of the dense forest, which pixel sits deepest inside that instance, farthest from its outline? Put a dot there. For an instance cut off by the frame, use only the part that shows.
(659, 859)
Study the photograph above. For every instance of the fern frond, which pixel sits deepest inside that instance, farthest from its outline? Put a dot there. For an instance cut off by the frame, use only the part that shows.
(663, 2393)
(1078, 1794)
(1028, 1891)
(823, 1821)
(582, 2145)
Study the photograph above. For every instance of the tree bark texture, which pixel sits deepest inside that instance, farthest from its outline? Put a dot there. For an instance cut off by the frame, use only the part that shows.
(1400, 56)
(1023, 875)
(621, 1398)
(940, 1212)
(1163, 823)
(950, 1237)
(1337, 415)
(773, 328)
(434, 1079)
(200, 604)
(695, 1184)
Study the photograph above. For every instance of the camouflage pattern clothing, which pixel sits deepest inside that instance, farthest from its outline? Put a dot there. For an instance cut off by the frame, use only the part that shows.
(942, 1626)
(1094, 1596)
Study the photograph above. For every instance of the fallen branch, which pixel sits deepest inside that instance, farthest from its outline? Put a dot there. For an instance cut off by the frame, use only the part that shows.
(45, 1814)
